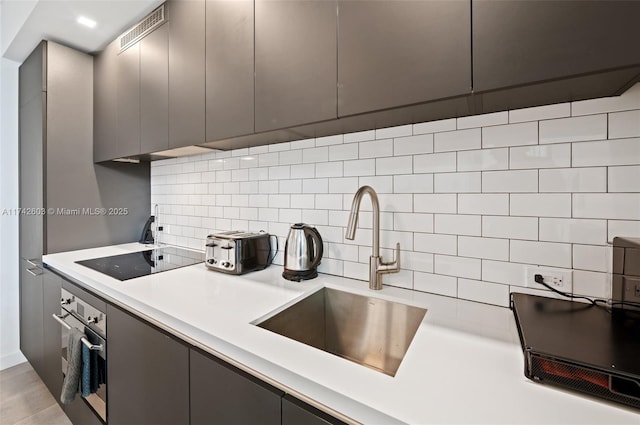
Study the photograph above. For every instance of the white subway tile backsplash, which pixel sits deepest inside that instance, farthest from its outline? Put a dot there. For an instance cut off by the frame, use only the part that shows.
(435, 284)
(622, 228)
(391, 132)
(484, 120)
(457, 140)
(458, 224)
(541, 205)
(559, 110)
(624, 124)
(592, 258)
(435, 126)
(457, 266)
(498, 201)
(494, 249)
(510, 181)
(437, 244)
(487, 204)
(394, 165)
(504, 272)
(623, 206)
(359, 136)
(510, 135)
(360, 167)
(411, 183)
(434, 163)
(376, 148)
(541, 253)
(457, 182)
(510, 227)
(573, 230)
(411, 145)
(342, 152)
(574, 180)
(624, 179)
(413, 222)
(606, 152)
(435, 203)
(628, 100)
(576, 129)
(483, 292)
(540, 156)
(482, 160)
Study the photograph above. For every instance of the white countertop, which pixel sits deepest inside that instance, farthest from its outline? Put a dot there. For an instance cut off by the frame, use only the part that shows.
(464, 365)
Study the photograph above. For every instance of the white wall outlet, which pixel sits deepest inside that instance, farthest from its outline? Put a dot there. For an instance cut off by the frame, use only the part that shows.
(559, 279)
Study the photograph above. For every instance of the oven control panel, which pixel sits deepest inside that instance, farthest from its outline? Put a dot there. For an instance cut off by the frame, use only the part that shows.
(83, 311)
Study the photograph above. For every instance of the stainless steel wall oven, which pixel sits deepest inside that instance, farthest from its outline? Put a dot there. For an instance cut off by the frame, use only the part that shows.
(79, 314)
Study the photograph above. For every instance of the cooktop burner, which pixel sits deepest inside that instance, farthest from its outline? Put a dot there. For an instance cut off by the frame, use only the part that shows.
(137, 264)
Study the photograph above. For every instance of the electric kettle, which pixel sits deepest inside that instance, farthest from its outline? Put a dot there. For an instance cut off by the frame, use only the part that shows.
(302, 253)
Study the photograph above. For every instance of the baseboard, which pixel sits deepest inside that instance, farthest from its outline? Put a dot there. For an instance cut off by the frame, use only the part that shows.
(12, 359)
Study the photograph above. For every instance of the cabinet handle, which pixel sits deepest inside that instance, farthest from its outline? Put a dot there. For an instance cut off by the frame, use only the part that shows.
(85, 341)
(34, 262)
(31, 271)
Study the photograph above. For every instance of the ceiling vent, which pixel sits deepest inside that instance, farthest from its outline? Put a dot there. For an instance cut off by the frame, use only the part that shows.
(144, 27)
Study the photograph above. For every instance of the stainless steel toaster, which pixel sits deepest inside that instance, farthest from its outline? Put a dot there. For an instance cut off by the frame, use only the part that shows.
(238, 252)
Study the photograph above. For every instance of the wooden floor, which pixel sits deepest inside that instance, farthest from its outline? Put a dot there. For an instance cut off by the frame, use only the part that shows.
(25, 400)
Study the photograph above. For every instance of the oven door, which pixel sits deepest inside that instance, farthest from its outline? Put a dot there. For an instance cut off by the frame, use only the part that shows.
(97, 400)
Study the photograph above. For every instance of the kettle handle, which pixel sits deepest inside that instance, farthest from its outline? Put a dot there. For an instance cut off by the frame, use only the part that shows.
(315, 235)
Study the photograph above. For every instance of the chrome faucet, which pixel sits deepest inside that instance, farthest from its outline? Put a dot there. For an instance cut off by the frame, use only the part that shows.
(377, 267)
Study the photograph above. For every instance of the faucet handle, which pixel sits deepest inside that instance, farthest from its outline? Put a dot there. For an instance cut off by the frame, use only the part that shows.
(394, 265)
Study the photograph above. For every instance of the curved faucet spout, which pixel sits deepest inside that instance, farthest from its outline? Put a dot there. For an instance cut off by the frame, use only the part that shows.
(377, 267)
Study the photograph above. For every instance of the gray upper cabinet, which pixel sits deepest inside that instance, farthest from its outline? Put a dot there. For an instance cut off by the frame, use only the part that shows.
(393, 53)
(128, 102)
(154, 91)
(229, 68)
(105, 83)
(522, 42)
(296, 63)
(186, 72)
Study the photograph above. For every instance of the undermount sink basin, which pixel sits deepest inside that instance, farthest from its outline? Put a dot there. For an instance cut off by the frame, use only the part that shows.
(369, 331)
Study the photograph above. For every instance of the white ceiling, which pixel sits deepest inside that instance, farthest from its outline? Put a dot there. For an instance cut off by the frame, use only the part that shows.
(26, 22)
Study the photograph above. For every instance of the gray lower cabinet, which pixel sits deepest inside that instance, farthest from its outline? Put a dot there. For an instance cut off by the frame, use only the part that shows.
(523, 42)
(296, 412)
(31, 315)
(295, 63)
(394, 52)
(52, 334)
(229, 68)
(186, 72)
(147, 373)
(221, 394)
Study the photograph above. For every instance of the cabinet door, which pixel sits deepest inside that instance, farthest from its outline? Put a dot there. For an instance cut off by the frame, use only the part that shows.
(147, 375)
(52, 335)
(154, 91)
(295, 412)
(105, 83)
(221, 394)
(31, 315)
(229, 68)
(395, 52)
(296, 62)
(520, 42)
(128, 101)
(186, 72)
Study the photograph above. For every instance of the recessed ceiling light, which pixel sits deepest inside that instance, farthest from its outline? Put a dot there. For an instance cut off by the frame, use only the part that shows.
(86, 22)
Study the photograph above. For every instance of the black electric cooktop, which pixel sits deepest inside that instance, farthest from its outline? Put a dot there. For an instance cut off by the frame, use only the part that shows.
(580, 346)
(137, 264)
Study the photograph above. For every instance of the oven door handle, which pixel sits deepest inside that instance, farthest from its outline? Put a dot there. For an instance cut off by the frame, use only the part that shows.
(85, 341)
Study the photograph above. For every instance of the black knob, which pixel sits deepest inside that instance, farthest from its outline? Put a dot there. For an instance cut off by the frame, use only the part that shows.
(226, 264)
(211, 261)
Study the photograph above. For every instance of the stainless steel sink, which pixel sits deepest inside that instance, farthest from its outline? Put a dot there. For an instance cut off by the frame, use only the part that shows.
(369, 331)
